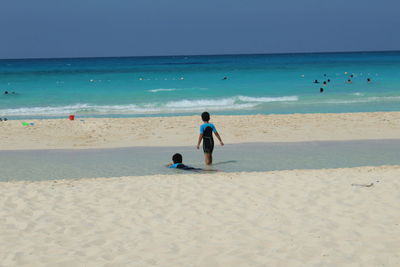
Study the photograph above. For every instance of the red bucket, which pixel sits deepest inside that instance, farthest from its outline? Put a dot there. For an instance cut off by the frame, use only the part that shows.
(71, 117)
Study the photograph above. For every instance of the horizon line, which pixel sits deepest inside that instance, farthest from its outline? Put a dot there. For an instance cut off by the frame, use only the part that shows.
(194, 55)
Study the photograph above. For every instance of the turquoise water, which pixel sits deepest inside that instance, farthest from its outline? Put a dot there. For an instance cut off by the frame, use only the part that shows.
(89, 163)
(148, 86)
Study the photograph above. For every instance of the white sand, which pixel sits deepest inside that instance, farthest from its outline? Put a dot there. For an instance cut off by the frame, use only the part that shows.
(183, 131)
(287, 218)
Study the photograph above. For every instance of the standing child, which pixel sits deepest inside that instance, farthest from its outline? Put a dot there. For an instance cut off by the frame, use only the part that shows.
(206, 130)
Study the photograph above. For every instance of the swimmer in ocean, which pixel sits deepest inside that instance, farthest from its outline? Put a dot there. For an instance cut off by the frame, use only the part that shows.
(316, 81)
(321, 90)
(369, 80)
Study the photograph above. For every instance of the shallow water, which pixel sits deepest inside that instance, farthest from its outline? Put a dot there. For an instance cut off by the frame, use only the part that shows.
(89, 163)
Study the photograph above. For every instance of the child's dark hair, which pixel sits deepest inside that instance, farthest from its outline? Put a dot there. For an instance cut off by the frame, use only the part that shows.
(205, 116)
(177, 158)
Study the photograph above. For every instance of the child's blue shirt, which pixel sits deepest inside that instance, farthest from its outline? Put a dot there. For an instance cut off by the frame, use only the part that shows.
(176, 166)
(205, 125)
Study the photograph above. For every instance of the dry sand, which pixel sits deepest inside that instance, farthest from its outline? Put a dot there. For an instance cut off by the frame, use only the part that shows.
(285, 218)
(183, 131)
(331, 217)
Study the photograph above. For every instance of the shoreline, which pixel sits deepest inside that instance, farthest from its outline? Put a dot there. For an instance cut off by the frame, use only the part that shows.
(183, 130)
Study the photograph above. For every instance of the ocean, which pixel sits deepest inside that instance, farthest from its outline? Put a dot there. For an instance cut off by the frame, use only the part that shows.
(187, 85)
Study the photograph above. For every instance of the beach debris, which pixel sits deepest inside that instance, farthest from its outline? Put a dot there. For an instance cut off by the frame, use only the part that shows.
(363, 185)
(24, 123)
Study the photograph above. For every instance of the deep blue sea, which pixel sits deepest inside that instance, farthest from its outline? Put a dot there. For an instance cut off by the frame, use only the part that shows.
(185, 85)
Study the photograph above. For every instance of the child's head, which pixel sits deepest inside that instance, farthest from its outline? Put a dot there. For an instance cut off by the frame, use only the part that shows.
(205, 116)
(177, 158)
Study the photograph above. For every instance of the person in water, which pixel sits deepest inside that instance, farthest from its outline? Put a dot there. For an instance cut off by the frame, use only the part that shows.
(316, 81)
(206, 135)
(321, 90)
(177, 163)
(369, 80)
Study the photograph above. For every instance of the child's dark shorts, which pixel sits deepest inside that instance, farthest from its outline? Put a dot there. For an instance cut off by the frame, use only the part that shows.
(208, 144)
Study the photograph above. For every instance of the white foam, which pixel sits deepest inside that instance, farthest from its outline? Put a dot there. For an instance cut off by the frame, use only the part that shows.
(361, 100)
(268, 99)
(162, 90)
(358, 94)
(185, 105)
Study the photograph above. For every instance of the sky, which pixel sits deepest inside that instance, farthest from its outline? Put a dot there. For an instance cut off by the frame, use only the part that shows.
(104, 28)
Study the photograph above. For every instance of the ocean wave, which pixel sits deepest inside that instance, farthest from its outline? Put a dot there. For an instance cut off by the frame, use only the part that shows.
(179, 106)
(162, 90)
(268, 99)
(363, 100)
(358, 94)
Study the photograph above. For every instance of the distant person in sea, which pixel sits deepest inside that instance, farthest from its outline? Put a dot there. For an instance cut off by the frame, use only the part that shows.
(316, 81)
(5, 119)
(206, 135)
(324, 82)
(349, 81)
(177, 160)
(329, 81)
(351, 76)
(9, 93)
(321, 90)
(369, 80)
(225, 78)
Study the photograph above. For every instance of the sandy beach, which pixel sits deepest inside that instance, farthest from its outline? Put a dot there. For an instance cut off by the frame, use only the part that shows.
(183, 131)
(327, 217)
(290, 218)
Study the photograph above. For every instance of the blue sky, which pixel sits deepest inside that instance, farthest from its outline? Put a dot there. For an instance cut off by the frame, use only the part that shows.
(95, 28)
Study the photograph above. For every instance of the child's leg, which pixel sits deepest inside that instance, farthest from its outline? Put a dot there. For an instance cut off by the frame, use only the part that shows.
(208, 158)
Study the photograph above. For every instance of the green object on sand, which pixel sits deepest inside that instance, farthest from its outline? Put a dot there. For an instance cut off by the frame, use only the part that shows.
(27, 123)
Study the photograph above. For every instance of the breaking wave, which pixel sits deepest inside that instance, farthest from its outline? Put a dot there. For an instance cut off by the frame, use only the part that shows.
(179, 106)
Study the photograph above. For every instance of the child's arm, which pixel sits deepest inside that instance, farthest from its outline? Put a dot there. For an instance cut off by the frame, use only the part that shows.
(199, 142)
(219, 138)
